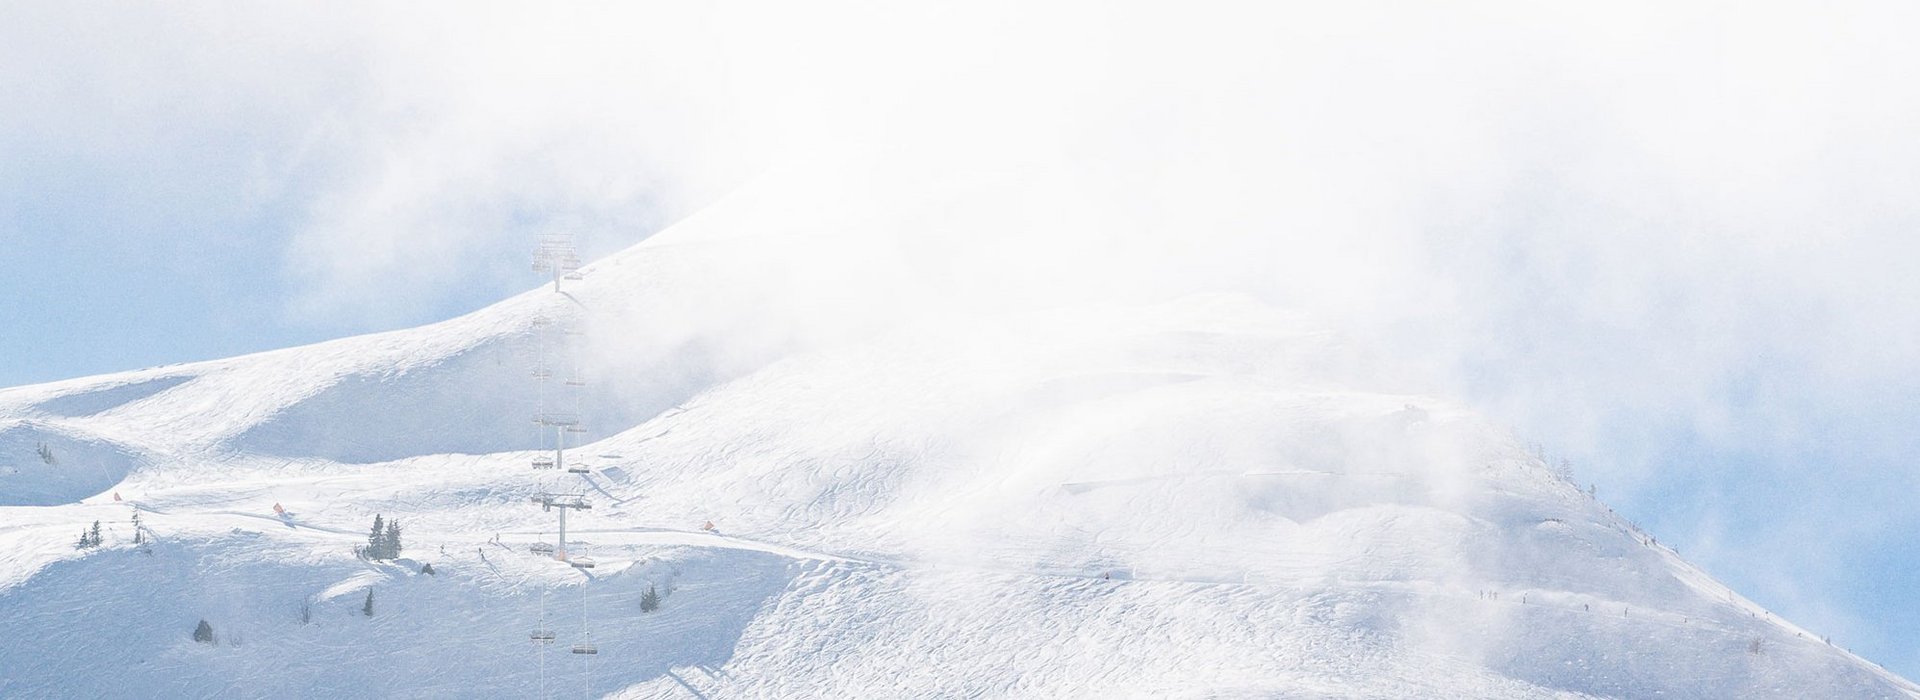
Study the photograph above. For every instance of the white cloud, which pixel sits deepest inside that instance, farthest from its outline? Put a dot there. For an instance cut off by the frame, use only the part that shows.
(1579, 213)
(1611, 223)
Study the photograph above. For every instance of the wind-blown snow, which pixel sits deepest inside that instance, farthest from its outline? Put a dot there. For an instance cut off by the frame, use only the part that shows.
(1198, 498)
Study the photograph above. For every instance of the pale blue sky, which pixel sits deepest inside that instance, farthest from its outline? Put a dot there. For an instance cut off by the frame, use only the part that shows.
(1681, 254)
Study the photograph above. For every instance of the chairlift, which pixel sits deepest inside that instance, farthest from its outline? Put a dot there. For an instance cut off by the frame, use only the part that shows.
(579, 469)
(540, 548)
(543, 463)
(542, 636)
(576, 381)
(576, 429)
(581, 562)
(543, 374)
(585, 649)
(573, 276)
(558, 419)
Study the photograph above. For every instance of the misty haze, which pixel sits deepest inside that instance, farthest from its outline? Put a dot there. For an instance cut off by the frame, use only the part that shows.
(1483, 349)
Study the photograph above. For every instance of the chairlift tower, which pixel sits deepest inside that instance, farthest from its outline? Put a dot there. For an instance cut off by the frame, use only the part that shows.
(562, 502)
(563, 425)
(556, 256)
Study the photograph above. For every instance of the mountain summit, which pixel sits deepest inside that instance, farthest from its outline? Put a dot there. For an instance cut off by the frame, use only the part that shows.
(801, 475)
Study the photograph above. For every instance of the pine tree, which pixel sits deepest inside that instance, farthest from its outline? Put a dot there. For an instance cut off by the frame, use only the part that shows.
(203, 633)
(368, 607)
(96, 533)
(374, 540)
(393, 539)
(46, 454)
(427, 569)
(138, 536)
(650, 601)
(84, 542)
(306, 610)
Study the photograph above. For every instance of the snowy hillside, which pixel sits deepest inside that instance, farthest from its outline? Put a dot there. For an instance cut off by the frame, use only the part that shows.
(1202, 497)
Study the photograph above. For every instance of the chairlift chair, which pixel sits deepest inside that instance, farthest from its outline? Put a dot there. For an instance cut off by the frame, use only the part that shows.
(559, 419)
(585, 649)
(542, 636)
(578, 468)
(581, 562)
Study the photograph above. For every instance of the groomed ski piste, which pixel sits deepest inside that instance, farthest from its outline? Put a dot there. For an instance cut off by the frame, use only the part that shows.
(1198, 497)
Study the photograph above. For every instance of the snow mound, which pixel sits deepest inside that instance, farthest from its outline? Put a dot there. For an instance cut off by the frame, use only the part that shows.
(43, 465)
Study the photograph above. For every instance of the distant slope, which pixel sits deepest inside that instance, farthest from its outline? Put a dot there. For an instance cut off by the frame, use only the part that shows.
(1204, 497)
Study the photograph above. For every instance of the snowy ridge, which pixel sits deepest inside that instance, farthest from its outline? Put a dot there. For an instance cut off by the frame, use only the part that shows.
(1198, 498)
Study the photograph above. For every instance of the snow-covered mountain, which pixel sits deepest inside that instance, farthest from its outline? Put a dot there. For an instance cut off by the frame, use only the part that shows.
(1197, 497)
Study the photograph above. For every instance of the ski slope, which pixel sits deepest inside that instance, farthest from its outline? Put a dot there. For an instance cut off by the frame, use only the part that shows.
(1201, 497)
